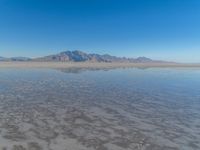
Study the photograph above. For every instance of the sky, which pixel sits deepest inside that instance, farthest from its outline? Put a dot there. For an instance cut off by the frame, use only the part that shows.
(158, 29)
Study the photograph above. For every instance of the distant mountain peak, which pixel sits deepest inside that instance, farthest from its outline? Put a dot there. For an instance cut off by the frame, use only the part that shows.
(20, 58)
(80, 56)
(15, 59)
(144, 59)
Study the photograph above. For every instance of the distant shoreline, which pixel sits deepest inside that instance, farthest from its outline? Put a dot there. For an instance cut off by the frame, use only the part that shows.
(93, 65)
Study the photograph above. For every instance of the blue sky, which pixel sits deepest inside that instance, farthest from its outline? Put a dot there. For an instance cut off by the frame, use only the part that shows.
(159, 29)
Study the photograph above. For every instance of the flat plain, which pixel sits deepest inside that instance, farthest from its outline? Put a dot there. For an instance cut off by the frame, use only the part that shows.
(31, 64)
(60, 108)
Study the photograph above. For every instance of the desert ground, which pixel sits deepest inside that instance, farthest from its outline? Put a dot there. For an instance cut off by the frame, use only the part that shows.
(91, 65)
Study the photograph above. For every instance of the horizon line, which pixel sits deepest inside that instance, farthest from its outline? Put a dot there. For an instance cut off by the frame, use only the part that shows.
(121, 56)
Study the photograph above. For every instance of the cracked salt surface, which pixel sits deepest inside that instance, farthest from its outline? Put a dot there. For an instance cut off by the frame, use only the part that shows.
(121, 109)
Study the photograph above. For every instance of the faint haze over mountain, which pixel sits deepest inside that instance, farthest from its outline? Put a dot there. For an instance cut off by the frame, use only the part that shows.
(80, 56)
(158, 29)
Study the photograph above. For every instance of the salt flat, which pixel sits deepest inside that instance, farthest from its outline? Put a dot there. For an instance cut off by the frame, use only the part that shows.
(30, 64)
(119, 109)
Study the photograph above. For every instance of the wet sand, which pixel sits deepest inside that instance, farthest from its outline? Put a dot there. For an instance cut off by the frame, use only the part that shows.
(90, 65)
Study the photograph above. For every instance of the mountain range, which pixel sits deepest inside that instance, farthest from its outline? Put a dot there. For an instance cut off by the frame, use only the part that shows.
(15, 59)
(79, 56)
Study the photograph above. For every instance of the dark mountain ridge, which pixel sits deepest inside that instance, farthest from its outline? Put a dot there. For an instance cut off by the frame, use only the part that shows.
(79, 56)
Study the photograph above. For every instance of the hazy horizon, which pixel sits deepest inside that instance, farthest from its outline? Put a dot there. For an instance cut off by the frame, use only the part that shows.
(161, 30)
(40, 56)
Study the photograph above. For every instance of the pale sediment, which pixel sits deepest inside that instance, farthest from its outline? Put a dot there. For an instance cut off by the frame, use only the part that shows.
(90, 65)
(43, 109)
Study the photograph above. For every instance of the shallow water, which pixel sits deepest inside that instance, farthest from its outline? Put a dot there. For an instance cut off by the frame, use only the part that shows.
(120, 109)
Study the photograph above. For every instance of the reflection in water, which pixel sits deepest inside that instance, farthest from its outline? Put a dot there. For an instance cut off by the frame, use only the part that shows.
(121, 109)
(80, 70)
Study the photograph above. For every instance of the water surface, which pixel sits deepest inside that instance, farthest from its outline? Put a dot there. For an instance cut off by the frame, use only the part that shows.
(120, 109)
